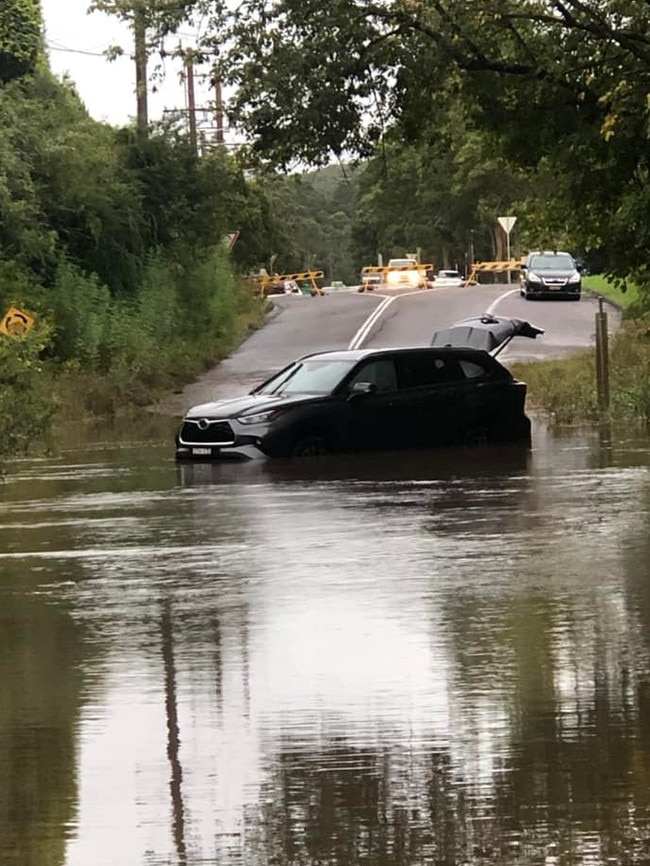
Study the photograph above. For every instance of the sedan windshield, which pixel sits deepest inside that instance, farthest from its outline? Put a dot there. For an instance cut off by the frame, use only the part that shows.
(311, 376)
(549, 263)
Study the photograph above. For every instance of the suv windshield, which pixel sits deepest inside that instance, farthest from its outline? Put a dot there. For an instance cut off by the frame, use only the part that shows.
(561, 261)
(312, 376)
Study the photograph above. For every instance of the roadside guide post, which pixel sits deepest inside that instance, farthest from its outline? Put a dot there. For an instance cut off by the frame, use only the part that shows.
(602, 357)
(507, 223)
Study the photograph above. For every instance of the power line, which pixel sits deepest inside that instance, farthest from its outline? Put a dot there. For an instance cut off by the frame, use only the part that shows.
(62, 48)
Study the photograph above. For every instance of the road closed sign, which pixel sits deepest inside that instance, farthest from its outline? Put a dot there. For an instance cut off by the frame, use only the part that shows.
(16, 323)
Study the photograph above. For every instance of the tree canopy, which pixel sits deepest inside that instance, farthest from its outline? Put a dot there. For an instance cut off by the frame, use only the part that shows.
(20, 37)
(561, 86)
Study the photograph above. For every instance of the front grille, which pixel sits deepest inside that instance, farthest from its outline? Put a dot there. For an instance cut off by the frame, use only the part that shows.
(555, 281)
(214, 432)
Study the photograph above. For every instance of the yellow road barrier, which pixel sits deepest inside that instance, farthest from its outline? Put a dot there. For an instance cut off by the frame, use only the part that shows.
(492, 267)
(265, 282)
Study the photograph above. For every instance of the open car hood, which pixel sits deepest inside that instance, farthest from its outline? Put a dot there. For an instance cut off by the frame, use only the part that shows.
(491, 333)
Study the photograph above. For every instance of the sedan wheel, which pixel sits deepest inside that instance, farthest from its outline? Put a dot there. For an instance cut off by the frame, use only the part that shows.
(310, 446)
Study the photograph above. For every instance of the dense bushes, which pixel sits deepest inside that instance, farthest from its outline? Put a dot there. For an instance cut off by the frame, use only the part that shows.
(25, 400)
(20, 37)
(175, 307)
(125, 350)
(113, 242)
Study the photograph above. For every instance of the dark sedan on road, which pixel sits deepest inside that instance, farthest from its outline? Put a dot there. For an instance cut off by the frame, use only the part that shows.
(358, 400)
(550, 274)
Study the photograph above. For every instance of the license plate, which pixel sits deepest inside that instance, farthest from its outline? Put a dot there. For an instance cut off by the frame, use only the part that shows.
(201, 452)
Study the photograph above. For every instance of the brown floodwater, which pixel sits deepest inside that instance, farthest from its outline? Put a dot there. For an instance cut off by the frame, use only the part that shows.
(405, 659)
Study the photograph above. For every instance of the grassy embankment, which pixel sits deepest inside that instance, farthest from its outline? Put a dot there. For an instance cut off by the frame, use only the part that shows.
(115, 358)
(566, 389)
(157, 361)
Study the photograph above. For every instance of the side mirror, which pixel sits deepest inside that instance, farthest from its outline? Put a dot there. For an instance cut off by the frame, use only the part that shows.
(360, 389)
(523, 267)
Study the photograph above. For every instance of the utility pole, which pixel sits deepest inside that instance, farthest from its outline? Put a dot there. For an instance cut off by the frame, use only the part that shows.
(191, 99)
(140, 36)
(219, 112)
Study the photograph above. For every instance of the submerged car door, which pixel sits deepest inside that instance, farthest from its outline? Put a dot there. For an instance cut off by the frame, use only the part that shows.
(433, 391)
(373, 420)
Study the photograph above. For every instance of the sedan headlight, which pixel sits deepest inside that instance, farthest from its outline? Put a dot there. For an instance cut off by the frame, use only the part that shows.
(259, 417)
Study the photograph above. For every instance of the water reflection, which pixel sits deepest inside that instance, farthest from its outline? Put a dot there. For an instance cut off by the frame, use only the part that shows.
(423, 659)
(38, 721)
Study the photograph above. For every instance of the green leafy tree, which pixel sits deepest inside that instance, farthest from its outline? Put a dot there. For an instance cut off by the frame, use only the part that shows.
(310, 220)
(441, 194)
(62, 185)
(114, 242)
(561, 85)
(20, 37)
(163, 15)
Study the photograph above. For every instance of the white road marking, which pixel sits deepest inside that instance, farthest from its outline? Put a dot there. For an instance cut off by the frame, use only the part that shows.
(491, 310)
(362, 334)
(364, 330)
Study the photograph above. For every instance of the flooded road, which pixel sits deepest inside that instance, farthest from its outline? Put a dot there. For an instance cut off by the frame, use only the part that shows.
(416, 659)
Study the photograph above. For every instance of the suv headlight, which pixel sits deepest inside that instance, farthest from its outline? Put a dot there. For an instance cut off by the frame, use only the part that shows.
(575, 278)
(259, 417)
(533, 277)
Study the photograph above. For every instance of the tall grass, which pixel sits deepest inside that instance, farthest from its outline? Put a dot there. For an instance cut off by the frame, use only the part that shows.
(625, 295)
(566, 389)
(120, 352)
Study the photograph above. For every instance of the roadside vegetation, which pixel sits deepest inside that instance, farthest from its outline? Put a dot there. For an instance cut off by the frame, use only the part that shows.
(622, 293)
(113, 243)
(566, 389)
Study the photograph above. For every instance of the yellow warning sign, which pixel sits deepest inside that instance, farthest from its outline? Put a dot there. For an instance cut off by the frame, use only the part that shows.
(16, 323)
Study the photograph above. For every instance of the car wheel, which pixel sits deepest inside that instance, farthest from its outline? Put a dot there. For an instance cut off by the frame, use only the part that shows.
(477, 437)
(310, 446)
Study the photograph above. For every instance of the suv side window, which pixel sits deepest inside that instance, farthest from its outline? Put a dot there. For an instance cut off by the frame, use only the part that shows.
(380, 373)
(472, 370)
(419, 370)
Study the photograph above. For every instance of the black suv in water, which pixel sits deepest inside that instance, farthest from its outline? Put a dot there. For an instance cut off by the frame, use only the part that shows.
(365, 399)
(550, 274)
